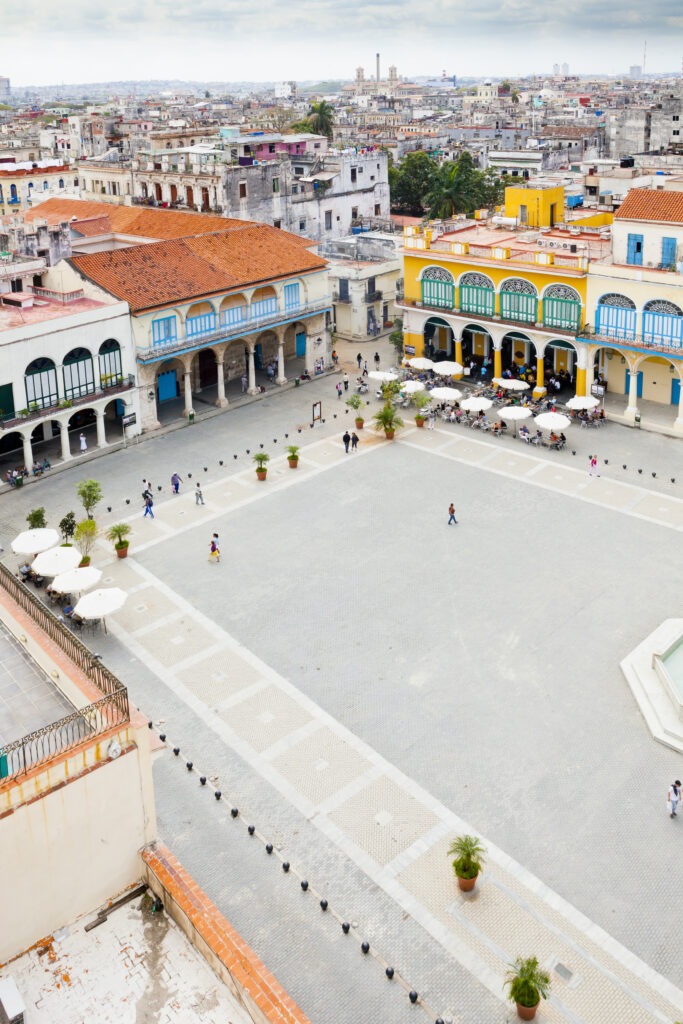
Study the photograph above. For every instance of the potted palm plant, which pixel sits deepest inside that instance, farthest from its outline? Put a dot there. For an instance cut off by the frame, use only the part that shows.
(388, 420)
(85, 536)
(469, 854)
(355, 402)
(421, 400)
(117, 534)
(293, 455)
(261, 458)
(527, 984)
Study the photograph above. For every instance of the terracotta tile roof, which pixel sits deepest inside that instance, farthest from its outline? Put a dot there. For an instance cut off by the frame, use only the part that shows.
(143, 221)
(652, 204)
(92, 226)
(169, 272)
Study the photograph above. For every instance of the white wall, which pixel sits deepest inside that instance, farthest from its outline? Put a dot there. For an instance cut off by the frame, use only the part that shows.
(652, 241)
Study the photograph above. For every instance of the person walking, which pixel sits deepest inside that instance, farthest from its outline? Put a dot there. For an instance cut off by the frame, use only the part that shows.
(214, 550)
(84, 443)
(339, 389)
(673, 797)
(365, 368)
(431, 420)
(198, 496)
(175, 483)
(451, 514)
(359, 360)
(335, 357)
(376, 358)
(346, 381)
(593, 465)
(245, 383)
(149, 507)
(347, 441)
(354, 441)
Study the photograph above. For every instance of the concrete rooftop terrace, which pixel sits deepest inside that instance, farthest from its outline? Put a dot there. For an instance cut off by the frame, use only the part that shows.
(43, 310)
(28, 700)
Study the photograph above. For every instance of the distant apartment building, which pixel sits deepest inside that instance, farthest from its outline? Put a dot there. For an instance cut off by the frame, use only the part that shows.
(364, 275)
(5, 91)
(22, 185)
(655, 128)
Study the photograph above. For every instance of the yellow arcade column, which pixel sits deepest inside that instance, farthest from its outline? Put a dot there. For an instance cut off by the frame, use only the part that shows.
(458, 357)
(580, 380)
(497, 362)
(539, 390)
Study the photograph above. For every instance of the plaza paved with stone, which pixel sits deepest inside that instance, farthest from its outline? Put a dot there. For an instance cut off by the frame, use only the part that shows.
(364, 682)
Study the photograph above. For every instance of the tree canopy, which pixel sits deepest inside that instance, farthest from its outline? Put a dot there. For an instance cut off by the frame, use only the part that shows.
(410, 182)
(419, 186)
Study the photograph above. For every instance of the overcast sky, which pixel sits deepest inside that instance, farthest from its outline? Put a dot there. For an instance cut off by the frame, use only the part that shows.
(44, 42)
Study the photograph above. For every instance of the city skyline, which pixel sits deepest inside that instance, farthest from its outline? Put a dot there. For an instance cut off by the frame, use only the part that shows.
(206, 41)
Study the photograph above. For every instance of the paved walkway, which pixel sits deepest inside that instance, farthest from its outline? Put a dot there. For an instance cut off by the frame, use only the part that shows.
(354, 772)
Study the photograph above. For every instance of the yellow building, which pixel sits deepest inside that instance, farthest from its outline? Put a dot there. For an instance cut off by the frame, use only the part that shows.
(509, 289)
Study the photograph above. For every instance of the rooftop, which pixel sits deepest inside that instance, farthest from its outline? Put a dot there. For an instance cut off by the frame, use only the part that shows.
(136, 966)
(242, 254)
(46, 308)
(145, 222)
(28, 699)
(652, 204)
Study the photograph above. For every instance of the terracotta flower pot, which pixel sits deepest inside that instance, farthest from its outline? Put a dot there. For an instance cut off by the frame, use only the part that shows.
(389, 434)
(467, 884)
(359, 423)
(122, 552)
(526, 1012)
(419, 421)
(261, 473)
(293, 463)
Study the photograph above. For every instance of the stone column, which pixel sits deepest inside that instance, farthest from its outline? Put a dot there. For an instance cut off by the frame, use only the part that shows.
(101, 432)
(540, 388)
(188, 393)
(221, 401)
(458, 357)
(28, 451)
(64, 438)
(497, 362)
(632, 407)
(678, 422)
(251, 374)
(281, 379)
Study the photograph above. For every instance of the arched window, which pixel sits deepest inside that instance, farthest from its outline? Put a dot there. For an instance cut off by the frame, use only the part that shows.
(561, 307)
(61, 182)
(40, 381)
(438, 288)
(477, 294)
(615, 317)
(519, 300)
(45, 186)
(662, 324)
(79, 377)
(111, 372)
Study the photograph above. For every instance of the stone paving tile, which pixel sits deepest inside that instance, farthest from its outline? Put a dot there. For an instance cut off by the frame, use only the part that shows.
(265, 717)
(660, 508)
(171, 645)
(467, 451)
(143, 607)
(560, 478)
(512, 462)
(383, 820)
(219, 676)
(320, 765)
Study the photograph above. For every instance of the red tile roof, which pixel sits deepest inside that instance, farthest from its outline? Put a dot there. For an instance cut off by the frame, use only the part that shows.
(652, 204)
(143, 221)
(169, 272)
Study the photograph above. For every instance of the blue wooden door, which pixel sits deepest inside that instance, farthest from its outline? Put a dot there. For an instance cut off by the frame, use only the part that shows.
(668, 253)
(675, 392)
(301, 345)
(634, 253)
(167, 386)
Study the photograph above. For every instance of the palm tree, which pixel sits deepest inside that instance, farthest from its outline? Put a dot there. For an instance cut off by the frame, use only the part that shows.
(321, 116)
(457, 188)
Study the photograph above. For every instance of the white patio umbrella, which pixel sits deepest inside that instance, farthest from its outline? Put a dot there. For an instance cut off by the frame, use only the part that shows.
(514, 413)
(514, 385)
(552, 421)
(475, 404)
(382, 375)
(101, 602)
(582, 402)
(31, 542)
(75, 581)
(56, 560)
(447, 369)
(446, 394)
(420, 363)
(411, 387)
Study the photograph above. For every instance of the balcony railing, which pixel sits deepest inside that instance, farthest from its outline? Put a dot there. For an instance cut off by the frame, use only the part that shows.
(119, 384)
(372, 296)
(226, 332)
(652, 343)
(341, 298)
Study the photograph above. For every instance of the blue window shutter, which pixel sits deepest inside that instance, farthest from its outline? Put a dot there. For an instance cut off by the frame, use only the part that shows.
(634, 253)
(668, 252)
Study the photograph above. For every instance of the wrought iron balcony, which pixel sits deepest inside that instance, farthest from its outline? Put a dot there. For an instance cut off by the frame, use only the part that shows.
(372, 296)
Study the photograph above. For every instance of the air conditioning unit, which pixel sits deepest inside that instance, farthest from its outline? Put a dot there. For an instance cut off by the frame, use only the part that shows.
(12, 1008)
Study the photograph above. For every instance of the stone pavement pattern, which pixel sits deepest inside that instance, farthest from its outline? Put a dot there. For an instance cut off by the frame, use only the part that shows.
(442, 687)
(135, 968)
